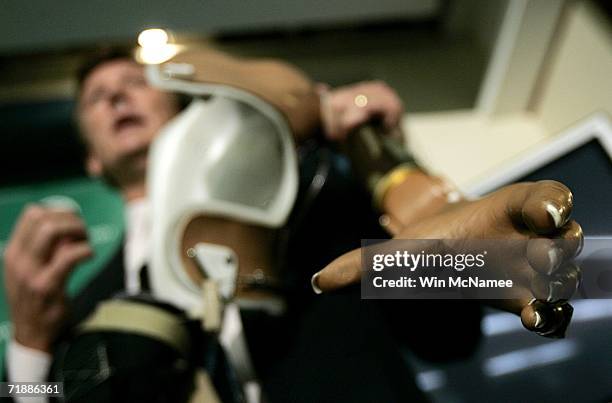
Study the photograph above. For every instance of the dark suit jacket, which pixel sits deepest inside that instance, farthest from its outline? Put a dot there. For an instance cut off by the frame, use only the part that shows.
(337, 347)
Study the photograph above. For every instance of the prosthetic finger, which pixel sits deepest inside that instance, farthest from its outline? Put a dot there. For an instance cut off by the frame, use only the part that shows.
(546, 255)
(548, 208)
(573, 239)
(347, 269)
(548, 320)
(343, 271)
(543, 207)
(561, 285)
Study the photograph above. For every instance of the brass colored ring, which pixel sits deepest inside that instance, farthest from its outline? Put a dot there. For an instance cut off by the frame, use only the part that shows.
(360, 100)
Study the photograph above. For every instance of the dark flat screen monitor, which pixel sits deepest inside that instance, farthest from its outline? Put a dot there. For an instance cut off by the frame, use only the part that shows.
(581, 158)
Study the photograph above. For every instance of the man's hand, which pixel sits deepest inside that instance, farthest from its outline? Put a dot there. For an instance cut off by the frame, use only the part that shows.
(345, 108)
(46, 244)
(536, 213)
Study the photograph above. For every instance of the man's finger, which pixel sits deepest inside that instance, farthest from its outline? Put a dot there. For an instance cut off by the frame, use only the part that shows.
(393, 117)
(63, 261)
(26, 224)
(351, 120)
(53, 227)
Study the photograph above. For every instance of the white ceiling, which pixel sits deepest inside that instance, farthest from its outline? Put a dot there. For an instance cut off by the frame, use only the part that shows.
(36, 25)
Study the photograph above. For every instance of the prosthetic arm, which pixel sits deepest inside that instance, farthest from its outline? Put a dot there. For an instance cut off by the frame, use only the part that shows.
(415, 205)
(222, 177)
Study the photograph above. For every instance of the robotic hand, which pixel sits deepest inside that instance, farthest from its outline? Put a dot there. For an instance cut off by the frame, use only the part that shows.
(415, 205)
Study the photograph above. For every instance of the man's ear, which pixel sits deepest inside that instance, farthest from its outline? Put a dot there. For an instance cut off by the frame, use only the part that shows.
(93, 166)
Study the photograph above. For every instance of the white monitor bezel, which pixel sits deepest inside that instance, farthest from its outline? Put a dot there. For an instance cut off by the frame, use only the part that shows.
(596, 127)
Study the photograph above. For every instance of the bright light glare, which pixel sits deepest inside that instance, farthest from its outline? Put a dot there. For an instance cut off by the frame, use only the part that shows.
(585, 310)
(158, 55)
(153, 38)
(431, 380)
(155, 46)
(532, 357)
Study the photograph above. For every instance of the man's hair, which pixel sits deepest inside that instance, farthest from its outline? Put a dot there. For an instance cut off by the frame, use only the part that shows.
(108, 54)
(93, 60)
(97, 58)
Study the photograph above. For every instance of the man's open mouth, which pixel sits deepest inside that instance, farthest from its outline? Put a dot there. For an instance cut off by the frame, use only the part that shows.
(128, 122)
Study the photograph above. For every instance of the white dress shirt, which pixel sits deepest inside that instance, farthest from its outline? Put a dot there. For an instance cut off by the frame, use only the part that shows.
(137, 243)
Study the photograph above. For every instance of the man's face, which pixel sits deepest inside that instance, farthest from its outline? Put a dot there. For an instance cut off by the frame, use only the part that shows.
(120, 115)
